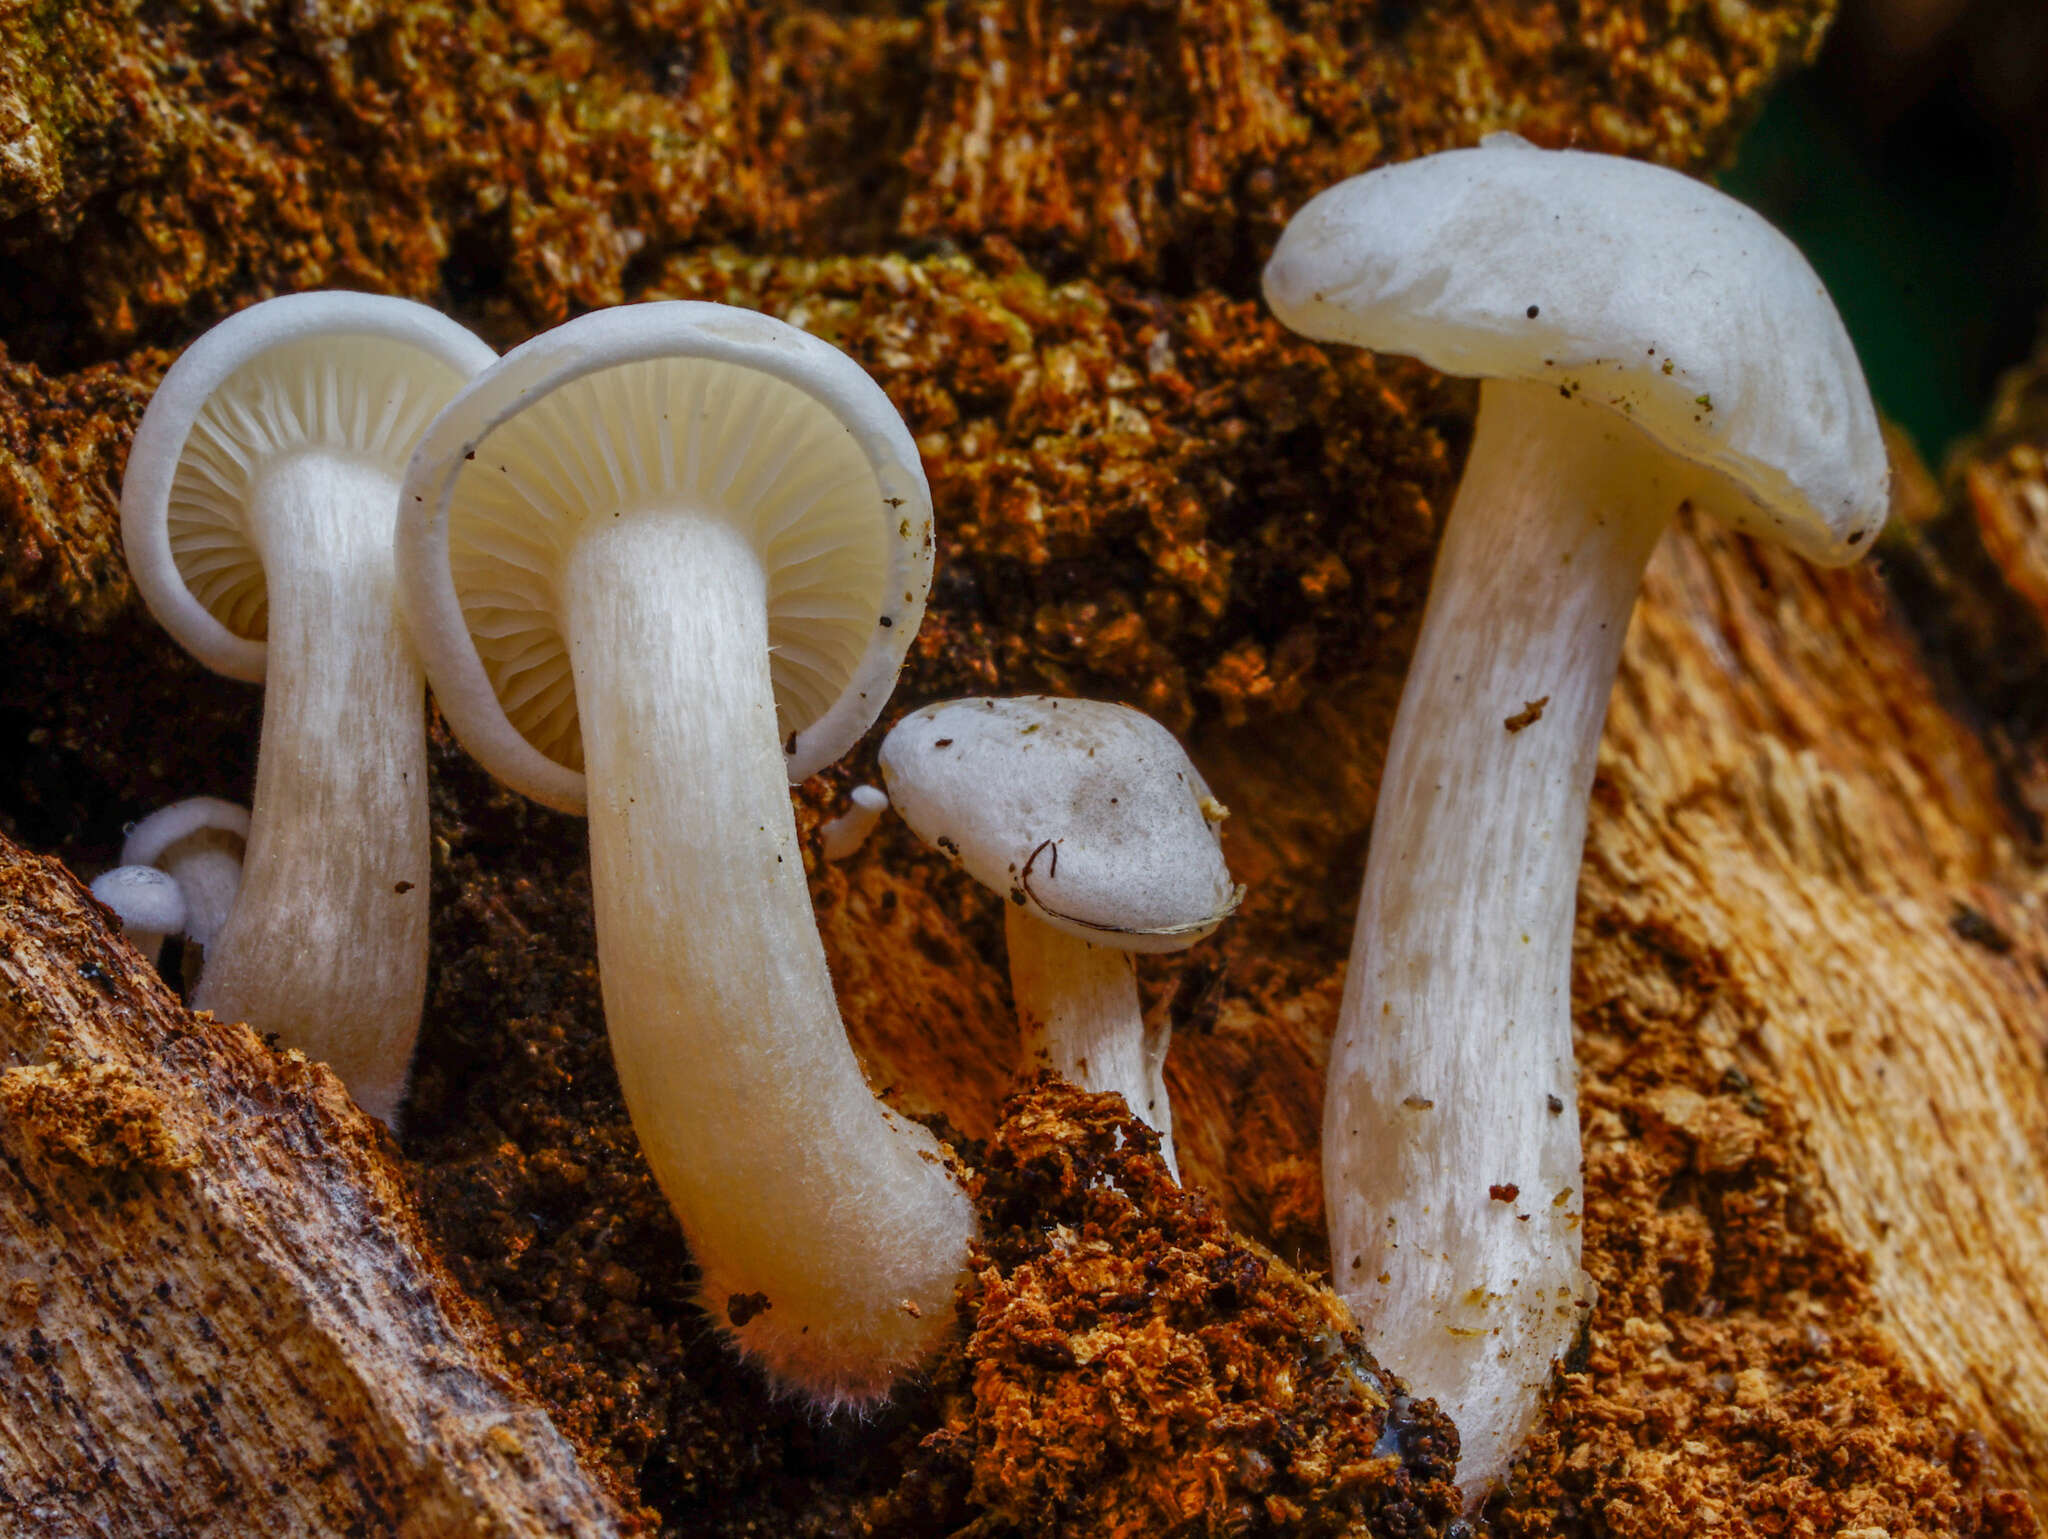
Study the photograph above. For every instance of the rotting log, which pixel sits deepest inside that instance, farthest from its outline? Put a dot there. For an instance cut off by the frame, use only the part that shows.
(218, 1312)
(1804, 1316)
(1808, 1010)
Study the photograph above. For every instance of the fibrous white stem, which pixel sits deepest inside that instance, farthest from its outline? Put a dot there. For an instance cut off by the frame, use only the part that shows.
(831, 1218)
(1078, 1006)
(1451, 1131)
(208, 866)
(326, 944)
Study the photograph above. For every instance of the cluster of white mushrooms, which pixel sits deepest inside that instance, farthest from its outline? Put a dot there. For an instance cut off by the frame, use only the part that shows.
(180, 870)
(664, 560)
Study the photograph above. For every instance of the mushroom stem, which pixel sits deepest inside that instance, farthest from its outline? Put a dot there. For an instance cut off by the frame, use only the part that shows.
(1451, 1130)
(209, 871)
(335, 873)
(842, 837)
(826, 1228)
(1078, 1006)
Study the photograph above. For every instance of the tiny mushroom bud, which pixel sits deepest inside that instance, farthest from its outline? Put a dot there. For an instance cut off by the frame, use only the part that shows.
(199, 841)
(661, 561)
(148, 902)
(1091, 822)
(846, 833)
(256, 512)
(1645, 342)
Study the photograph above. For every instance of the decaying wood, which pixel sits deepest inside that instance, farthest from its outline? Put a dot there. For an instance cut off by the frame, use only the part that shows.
(1788, 804)
(1813, 917)
(218, 1314)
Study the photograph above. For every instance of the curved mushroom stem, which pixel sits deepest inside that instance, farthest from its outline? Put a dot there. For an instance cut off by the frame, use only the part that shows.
(326, 944)
(1451, 1131)
(208, 867)
(1078, 1006)
(827, 1228)
(842, 837)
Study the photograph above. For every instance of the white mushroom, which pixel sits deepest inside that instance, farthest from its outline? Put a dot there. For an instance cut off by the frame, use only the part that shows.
(1645, 342)
(148, 903)
(199, 841)
(842, 837)
(256, 513)
(680, 549)
(1092, 822)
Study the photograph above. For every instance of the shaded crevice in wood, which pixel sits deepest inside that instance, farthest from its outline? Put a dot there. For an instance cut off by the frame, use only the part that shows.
(218, 1313)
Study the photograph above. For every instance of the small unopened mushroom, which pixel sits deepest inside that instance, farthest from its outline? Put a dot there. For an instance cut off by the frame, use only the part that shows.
(149, 905)
(842, 837)
(199, 841)
(256, 512)
(662, 561)
(1645, 342)
(1089, 819)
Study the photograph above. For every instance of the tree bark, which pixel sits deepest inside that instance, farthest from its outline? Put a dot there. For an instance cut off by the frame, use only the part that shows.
(218, 1312)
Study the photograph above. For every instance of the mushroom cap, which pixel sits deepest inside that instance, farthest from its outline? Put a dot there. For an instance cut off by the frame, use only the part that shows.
(1087, 814)
(673, 403)
(1624, 284)
(149, 839)
(355, 375)
(148, 900)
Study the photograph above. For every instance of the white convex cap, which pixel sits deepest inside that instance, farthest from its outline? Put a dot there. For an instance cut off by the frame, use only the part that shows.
(1089, 815)
(1624, 284)
(147, 900)
(644, 407)
(357, 376)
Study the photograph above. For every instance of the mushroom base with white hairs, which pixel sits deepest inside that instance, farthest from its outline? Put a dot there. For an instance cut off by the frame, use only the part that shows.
(778, 1158)
(660, 562)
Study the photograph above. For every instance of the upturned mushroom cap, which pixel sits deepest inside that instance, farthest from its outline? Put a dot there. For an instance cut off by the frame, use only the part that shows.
(680, 405)
(1628, 286)
(148, 901)
(352, 375)
(149, 839)
(1087, 814)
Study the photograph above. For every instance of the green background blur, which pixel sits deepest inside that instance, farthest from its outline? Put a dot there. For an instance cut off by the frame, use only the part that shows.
(1909, 165)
